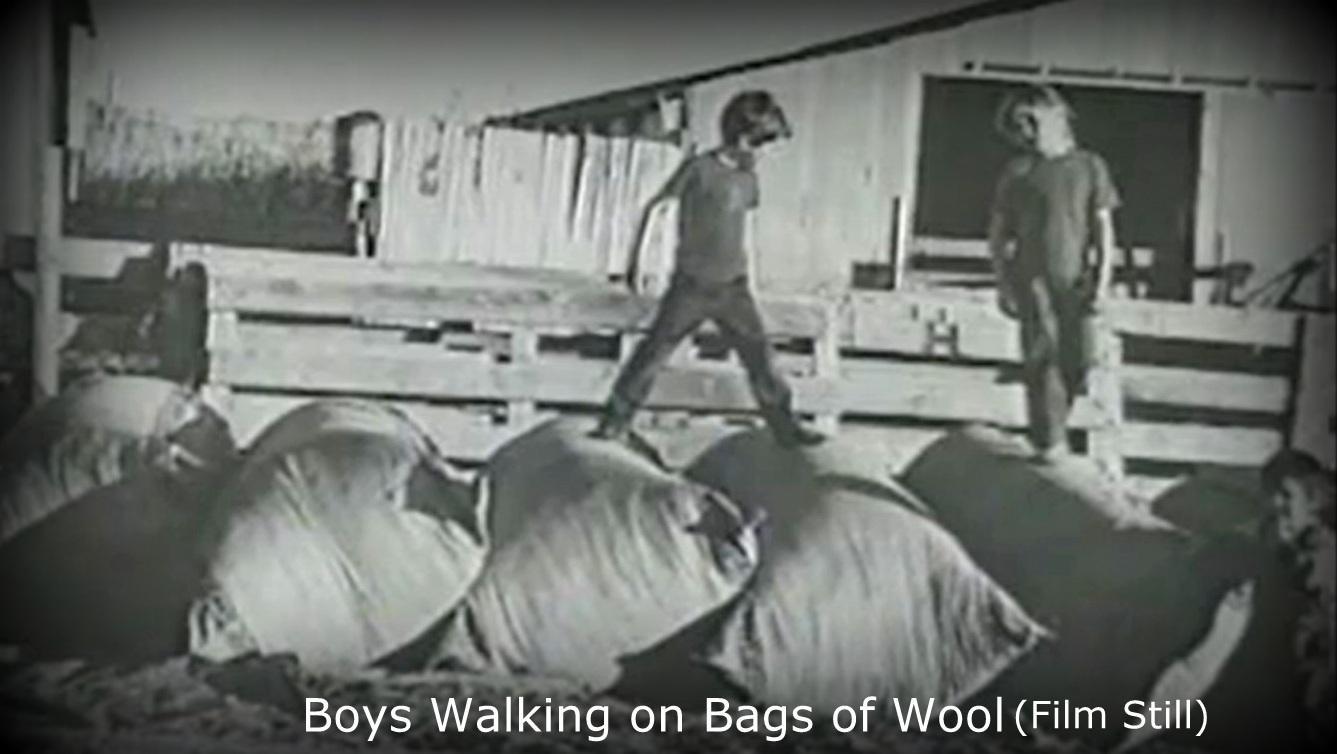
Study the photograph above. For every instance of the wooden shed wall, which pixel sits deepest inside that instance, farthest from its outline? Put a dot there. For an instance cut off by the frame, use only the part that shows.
(829, 196)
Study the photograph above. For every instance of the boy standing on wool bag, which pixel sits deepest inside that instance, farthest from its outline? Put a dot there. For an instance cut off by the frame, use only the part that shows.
(716, 190)
(1051, 236)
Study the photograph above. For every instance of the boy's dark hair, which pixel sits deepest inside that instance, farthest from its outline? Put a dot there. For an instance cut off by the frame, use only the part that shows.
(753, 117)
(1011, 126)
(1289, 464)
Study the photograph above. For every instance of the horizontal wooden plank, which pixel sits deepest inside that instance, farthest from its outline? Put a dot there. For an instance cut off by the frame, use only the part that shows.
(1197, 443)
(1202, 389)
(1216, 324)
(231, 261)
(557, 308)
(928, 324)
(906, 321)
(431, 372)
(1160, 319)
(966, 248)
(942, 392)
(98, 258)
(978, 248)
(372, 335)
(278, 361)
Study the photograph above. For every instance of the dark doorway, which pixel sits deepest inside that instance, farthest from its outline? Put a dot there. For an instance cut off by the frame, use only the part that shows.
(1149, 138)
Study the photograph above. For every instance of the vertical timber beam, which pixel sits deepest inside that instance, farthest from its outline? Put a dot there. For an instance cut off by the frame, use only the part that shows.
(221, 334)
(47, 181)
(46, 320)
(1106, 390)
(826, 362)
(524, 349)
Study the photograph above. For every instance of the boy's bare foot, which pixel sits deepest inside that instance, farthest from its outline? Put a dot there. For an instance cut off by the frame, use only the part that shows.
(1052, 454)
(608, 431)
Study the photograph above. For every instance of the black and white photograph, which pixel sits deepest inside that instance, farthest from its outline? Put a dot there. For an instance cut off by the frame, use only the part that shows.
(587, 375)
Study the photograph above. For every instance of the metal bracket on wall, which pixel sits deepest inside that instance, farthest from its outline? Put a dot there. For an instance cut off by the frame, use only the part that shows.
(942, 335)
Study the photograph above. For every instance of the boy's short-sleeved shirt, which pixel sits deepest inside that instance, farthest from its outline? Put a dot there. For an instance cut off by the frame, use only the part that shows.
(1047, 205)
(714, 199)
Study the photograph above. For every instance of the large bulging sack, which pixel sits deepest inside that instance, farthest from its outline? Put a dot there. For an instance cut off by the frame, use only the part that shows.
(107, 577)
(1125, 592)
(597, 553)
(1214, 502)
(344, 534)
(858, 593)
(1050, 533)
(101, 431)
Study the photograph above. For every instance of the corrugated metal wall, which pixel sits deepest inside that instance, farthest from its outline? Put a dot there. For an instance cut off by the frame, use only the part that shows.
(828, 195)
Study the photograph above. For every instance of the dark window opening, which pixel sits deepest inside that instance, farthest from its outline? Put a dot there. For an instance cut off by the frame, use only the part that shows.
(1150, 139)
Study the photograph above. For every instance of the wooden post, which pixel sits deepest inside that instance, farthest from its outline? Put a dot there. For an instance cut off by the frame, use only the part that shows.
(826, 362)
(1208, 237)
(46, 319)
(222, 334)
(524, 350)
(1106, 390)
(898, 243)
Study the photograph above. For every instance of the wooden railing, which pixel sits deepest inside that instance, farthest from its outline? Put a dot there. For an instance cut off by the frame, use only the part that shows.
(479, 353)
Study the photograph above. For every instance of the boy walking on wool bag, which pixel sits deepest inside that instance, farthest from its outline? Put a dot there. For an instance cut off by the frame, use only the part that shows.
(716, 190)
(1051, 236)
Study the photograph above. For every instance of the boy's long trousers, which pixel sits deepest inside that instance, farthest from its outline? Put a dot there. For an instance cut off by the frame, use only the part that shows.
(685, 307)
(1056, 348)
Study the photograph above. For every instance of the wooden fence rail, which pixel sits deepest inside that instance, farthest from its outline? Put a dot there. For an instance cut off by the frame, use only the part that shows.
(478, 353)
(481, 352)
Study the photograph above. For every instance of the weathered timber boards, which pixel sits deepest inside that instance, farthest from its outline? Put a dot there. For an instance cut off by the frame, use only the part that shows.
(227, 261)
(941, 391)
(413, 372)
(869, 318)
(925, 391)
(986, 333)
(98, 258)
(1198, 388)
(1214, 324)
(994, 339)
(929, 325)
(1197, 443)
(555, 307)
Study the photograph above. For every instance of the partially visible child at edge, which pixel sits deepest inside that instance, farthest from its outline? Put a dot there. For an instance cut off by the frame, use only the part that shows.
(1300, 528)
(1051, 237)
(716, 191)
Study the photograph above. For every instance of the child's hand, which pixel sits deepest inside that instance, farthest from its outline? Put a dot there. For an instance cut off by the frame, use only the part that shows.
(1093, 291)
(633, 279)
(1007, 301)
